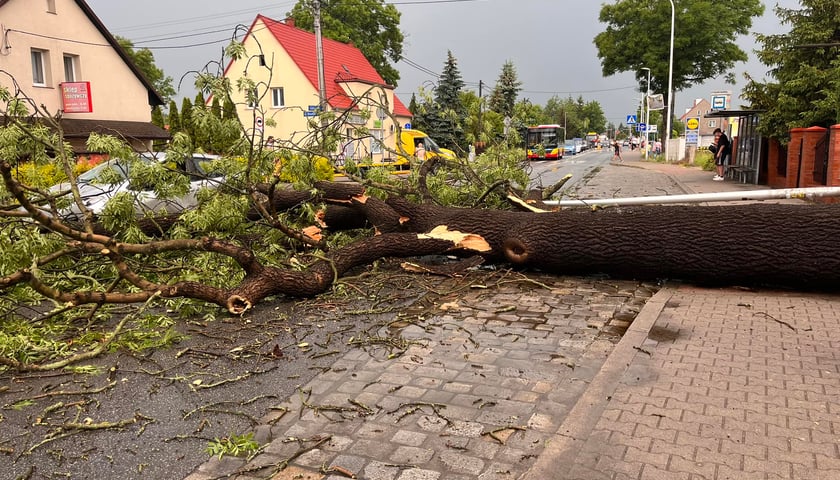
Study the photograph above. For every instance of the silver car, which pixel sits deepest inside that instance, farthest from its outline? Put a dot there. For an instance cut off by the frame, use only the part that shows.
(107, 180)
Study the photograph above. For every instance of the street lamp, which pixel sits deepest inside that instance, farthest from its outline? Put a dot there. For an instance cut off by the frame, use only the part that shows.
(647, 114)
(670, 84)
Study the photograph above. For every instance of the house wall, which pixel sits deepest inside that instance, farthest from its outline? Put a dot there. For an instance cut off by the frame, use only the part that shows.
(116, 92)
(287, 124)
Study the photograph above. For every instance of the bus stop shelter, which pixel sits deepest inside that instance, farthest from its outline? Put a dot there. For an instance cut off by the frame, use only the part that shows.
(747, 151)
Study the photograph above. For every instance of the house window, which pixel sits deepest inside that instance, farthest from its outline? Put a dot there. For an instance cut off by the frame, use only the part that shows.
(50, 6)
(39, 68)
(349, 149)
(277, 97)
(713, 123)
(376, 142)
(70, 67)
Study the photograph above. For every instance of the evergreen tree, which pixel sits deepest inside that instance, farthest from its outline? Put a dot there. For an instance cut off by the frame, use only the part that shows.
(805, 66)
(507, 89)
(157, 119)
(229, 110)
(449, 130)
(412, 105)
(187, 118)
(174, 120)
(216, 107)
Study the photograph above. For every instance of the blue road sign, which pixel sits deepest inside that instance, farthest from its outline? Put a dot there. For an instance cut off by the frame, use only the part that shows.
(310, 113)
(407, 126)
(642, 127)
(631, 119)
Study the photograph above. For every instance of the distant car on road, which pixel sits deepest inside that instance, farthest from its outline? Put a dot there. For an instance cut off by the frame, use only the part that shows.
(569, 147)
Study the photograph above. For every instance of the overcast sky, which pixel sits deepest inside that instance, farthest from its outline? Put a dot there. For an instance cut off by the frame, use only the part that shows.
(549, 41)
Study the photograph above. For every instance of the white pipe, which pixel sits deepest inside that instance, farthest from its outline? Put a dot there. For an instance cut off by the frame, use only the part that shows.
(781, 193)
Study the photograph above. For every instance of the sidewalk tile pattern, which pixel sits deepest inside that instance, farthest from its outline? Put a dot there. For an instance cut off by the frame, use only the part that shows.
(487, 380)
(729, 385)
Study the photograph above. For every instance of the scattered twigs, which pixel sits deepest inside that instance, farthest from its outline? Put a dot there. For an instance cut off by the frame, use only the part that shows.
(780, 322)
(277, 467)
(413, 407)
(511, 429)
(357, 408)
(67, 429)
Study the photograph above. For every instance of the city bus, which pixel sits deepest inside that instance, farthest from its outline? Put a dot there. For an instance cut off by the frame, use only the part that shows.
(545, 142)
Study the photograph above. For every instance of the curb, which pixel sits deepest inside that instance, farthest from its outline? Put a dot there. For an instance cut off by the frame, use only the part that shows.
(557, 459)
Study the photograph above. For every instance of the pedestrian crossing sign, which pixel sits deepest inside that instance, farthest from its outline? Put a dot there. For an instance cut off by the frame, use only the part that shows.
(631, 119)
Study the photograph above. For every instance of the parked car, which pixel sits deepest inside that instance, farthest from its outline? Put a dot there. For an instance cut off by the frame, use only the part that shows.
(579, 145)
(569, 147)
(107, 180)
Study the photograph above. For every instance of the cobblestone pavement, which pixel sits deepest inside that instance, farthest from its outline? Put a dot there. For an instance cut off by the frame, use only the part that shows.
(486, 382)
(725, 384)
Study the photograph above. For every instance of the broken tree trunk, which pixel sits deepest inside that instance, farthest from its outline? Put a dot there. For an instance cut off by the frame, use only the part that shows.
(785, 245)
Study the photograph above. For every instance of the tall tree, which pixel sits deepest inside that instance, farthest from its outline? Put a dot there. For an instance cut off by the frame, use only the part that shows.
(507, 89)
(173, 118)
(157, 119)
(144, 59)
(371, 25)
(805, 65)
(448, 98)
(705, 40)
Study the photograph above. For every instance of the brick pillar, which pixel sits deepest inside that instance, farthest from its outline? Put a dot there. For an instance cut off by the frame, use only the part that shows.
(834, 157)
(812, 135)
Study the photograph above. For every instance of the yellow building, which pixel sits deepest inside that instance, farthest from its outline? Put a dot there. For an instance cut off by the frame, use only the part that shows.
(59, 54)
(281, 61)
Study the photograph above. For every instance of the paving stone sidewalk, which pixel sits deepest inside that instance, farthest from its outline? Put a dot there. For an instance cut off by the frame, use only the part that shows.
(488, 379)
(715, 384)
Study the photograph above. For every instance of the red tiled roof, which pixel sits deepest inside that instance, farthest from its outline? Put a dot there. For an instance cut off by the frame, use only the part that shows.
(342, 63)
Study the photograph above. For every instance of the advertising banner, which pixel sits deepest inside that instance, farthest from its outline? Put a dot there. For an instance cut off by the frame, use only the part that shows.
(76, 97)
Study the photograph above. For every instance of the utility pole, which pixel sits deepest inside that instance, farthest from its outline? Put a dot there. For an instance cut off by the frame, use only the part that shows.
(319, 55)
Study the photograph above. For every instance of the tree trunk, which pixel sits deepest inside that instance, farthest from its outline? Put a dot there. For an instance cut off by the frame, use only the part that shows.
(768, 244)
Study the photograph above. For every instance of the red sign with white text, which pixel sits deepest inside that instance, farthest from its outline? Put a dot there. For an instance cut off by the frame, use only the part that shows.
(76, 98)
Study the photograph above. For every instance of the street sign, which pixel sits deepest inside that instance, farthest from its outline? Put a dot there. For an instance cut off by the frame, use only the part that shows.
(313, 108)
(631, 119)
(642, 127)
(310, 113)
(692, 124)
(407, 126)
(692, 137)
(652, 128)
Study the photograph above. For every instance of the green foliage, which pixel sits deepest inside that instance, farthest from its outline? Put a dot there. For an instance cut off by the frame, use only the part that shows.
(455, 188)
(373, 26)
(706, 37)
(151, 331)
(705, 160)
(507, 89)
(301, 169)
(233, 445)
(805, 90)
(157, 119)
(174, 119)
(145, 61)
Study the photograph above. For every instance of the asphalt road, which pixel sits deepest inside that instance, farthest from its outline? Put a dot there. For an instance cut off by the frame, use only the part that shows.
(545, 173)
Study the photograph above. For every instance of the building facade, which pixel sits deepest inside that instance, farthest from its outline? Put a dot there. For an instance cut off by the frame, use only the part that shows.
(281, 61)
(60, 55)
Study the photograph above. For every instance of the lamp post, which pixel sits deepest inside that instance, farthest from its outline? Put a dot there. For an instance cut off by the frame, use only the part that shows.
(670, 84)
(647, 113)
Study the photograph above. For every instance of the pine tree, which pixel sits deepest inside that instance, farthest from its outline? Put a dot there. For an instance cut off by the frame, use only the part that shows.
(412, 105)
(449, 129)
(229, 110)
(508, 86)
(157, 119)
(216, 107)
(174, 120)
(187, 118)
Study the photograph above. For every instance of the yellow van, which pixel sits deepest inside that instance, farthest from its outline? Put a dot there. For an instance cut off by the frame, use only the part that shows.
(409, 140)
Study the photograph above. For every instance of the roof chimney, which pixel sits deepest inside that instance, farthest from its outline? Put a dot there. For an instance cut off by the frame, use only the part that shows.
(290, 21)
